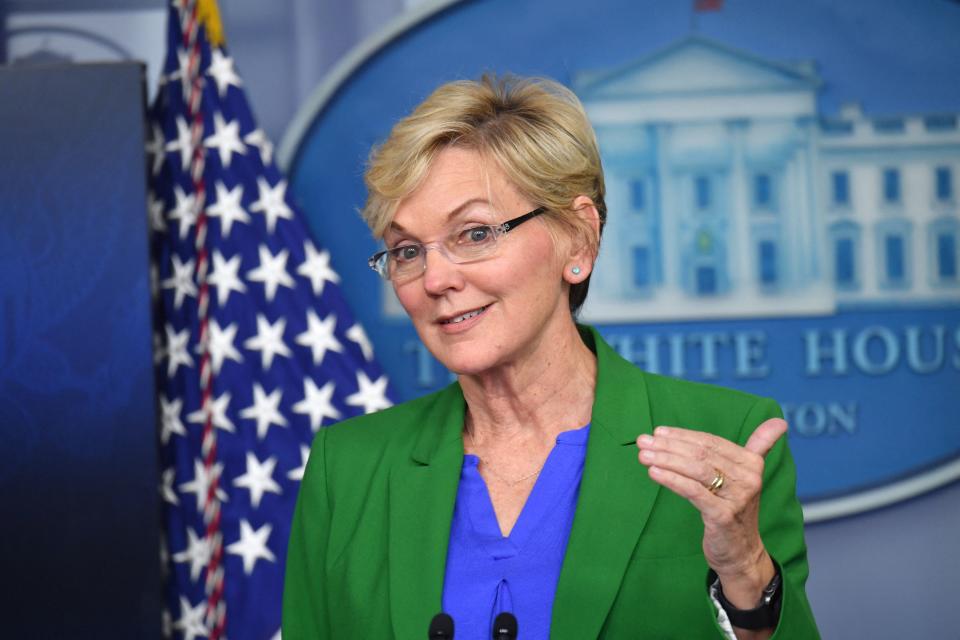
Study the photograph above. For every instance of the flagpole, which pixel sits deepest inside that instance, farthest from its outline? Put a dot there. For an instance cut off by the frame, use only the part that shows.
(215, 617)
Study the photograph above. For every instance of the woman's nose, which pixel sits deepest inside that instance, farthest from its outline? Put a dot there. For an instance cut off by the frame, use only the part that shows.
(439, 273)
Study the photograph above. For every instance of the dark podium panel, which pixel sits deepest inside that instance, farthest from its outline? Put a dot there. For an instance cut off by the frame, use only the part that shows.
(78, 478)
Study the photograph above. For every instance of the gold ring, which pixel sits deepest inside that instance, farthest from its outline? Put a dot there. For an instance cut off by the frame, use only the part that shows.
(717, 482)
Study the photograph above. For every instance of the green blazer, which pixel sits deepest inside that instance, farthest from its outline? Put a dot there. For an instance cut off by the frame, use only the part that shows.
(369, 539)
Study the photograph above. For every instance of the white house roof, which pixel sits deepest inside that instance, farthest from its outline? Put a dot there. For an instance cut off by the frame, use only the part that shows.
(699, 66)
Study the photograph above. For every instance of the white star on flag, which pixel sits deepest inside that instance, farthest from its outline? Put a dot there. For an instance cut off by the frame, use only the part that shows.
(181, 281)
(200, 485)
(185, 211)
(191, 619)
(218, 413)
(319, 336)
(183, 63)
(257, 138)
(177, 349)
(358, 335)
(317, 403)
(297, 474)
(258, 479)
(269, 340)
(159, 347)
(272, 202)
(372, 396)
(316, 267)
(224, 276)
(155, 148)
(225, 139)
(170, 421)
(221, 68)
(228, 208)
(166, 486)
(182, 143)
(252, 545)
(197, 553)
(155, 208)
(220, 345)
(272, 272)
(265, 410)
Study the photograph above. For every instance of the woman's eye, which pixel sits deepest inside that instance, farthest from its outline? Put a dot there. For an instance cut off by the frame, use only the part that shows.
(406, 253)
(477, 235)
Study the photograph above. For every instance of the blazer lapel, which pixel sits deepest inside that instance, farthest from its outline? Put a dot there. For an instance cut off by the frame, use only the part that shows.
(422, 494)
(616, 496)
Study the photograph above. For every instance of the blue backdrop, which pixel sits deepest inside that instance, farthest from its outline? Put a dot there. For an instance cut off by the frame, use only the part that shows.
(868, 367)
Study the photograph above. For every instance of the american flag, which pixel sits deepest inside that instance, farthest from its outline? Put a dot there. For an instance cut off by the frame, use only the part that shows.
(255, 346)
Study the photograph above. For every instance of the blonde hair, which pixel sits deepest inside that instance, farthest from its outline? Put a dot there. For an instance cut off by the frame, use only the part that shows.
(535, 130)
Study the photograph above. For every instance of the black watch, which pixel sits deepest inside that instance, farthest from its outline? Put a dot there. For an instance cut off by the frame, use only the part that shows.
(765, 616)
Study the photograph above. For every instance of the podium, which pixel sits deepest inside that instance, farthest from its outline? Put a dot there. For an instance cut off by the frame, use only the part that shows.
(79, 503)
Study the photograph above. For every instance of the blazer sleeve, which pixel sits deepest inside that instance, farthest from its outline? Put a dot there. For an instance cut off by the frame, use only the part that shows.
(305, 612)
(781, 526)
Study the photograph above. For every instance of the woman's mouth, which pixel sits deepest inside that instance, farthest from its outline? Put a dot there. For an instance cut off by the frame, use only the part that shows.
(464, 316)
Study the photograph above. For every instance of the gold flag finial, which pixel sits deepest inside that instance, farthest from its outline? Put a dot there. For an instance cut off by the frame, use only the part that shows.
(209, 16)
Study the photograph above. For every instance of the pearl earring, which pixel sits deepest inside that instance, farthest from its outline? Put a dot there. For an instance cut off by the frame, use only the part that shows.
(576, 271)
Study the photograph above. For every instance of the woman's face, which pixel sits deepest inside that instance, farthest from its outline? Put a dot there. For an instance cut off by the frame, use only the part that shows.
(515, 300)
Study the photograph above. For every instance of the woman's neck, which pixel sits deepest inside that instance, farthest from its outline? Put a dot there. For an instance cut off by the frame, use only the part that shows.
(549, 391)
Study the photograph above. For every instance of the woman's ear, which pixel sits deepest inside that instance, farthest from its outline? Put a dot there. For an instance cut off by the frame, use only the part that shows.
(583, 249)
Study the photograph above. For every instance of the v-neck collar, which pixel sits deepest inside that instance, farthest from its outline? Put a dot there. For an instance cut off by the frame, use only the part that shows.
(560, 472)
(613, 489)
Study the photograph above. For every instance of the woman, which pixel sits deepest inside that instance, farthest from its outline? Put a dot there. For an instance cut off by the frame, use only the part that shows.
(520, 487)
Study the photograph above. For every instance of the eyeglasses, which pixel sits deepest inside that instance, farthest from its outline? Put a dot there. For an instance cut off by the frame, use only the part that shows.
(408, 261)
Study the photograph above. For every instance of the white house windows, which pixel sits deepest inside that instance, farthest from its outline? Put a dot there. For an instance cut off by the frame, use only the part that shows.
(845, 259)
(642, 268)
(840, 189)
(946, 256)
(640, 194)
(764, 193)
(943, 184)
(767, 272)
(944, 252)
(845, 244)
(894, 253)
(891, 186)
(706, 262)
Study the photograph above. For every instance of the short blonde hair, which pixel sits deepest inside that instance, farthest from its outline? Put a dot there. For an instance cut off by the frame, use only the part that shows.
(534, 129)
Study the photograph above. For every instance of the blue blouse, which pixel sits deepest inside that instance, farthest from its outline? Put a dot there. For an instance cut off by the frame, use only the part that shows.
(486, 573)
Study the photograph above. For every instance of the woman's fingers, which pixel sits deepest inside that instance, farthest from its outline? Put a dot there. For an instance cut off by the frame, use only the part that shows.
(701, 470)
(703, 444)
(698, 454)
(765, 436)
(688, 456)
(686, 487)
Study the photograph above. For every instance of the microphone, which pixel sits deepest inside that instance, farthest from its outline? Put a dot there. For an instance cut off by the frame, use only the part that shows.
(441, 627)
(505, 627)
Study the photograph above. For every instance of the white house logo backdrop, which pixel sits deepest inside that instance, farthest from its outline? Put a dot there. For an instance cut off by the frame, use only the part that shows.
(784, 208)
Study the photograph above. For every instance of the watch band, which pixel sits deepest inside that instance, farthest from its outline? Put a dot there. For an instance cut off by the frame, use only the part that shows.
(766, 615)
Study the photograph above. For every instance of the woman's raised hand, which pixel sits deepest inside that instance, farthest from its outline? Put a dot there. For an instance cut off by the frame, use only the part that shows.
(723, 481)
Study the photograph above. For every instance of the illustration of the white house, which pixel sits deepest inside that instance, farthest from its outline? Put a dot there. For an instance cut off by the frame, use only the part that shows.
(730, 195)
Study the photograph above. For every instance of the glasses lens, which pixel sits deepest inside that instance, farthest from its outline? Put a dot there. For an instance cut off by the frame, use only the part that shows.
(473, 243)
(404, 261)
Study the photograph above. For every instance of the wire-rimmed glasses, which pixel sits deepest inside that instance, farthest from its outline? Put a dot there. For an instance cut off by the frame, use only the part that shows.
(407, 261)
